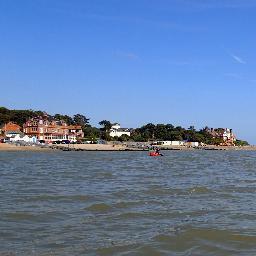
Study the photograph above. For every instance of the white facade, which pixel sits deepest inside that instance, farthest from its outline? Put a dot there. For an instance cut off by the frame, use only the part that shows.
(227, 135)
(177, 143)
(170, 143)
(117, 131)
(193, 144)
(116, 126)
(72, 137)
(24, 138)
(11, 134)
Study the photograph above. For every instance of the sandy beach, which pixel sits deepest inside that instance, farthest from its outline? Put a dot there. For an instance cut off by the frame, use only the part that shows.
(208, 147)
(92, 147)
(13, 147)
(108, 147)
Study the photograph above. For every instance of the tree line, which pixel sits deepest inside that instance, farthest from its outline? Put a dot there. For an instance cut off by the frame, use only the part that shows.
(166, 132)
(21, 116)
(148, 132)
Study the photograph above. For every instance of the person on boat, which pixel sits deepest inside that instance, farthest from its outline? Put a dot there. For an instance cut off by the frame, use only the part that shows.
(157, 150)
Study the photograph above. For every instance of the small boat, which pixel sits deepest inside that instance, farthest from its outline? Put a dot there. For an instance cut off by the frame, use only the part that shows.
(153, 153)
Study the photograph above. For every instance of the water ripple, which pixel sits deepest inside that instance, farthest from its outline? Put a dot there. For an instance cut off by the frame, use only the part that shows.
(126, 203)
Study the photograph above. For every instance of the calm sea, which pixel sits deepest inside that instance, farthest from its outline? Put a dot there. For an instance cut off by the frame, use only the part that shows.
(126, 203)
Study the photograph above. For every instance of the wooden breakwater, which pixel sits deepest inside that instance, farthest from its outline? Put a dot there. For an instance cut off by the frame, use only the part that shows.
(65, 148)
(122, 148)
(71, 148)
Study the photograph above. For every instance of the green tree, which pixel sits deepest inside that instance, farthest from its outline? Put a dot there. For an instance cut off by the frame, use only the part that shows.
(148, 131)
(123, 137)
(175, 136)
(241, 143)
(160, 132)
(105, 136)
(91, 132)
(169, 127)
(192, 128)
(106, 125)
(207, 137)
(67, 119)
(217, 141)
(136, 135)
(80, 119)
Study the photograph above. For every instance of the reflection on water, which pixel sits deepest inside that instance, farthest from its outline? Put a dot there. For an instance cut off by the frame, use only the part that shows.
(126, 203)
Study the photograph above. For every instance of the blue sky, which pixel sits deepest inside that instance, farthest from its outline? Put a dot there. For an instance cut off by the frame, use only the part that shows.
(185, 62)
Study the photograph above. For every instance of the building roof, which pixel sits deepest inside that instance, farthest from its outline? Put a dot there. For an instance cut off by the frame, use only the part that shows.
(11, 127)
(123, 130)
(120, 130)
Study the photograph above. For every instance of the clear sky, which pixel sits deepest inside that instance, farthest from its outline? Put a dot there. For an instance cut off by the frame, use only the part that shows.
(185, 62)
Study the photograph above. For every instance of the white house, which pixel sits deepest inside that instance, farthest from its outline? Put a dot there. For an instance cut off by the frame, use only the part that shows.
(23, 138)
(117, 131)
(228, 135)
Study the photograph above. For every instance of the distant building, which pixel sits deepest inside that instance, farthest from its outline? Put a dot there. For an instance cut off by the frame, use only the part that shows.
(176, 143)
(52, 130)
(225, 134)
(192, 143)
(117, 131)
(169, 143)
(10, 129)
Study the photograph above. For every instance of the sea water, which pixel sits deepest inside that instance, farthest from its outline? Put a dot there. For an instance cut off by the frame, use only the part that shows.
(127, 203)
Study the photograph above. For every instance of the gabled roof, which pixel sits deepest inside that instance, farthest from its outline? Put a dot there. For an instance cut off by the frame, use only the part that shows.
(11, 127)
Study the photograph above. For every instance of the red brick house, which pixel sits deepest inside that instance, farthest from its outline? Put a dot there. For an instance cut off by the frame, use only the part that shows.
(52, 130)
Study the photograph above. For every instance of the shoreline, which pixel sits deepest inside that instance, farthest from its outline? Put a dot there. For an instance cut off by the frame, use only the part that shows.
(12, 147)
(109, 147)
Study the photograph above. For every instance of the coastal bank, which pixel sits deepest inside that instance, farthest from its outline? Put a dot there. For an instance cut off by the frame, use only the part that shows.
(111, 147)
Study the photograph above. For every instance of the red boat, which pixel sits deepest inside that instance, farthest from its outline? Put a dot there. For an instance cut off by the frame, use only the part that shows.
(154, 154)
